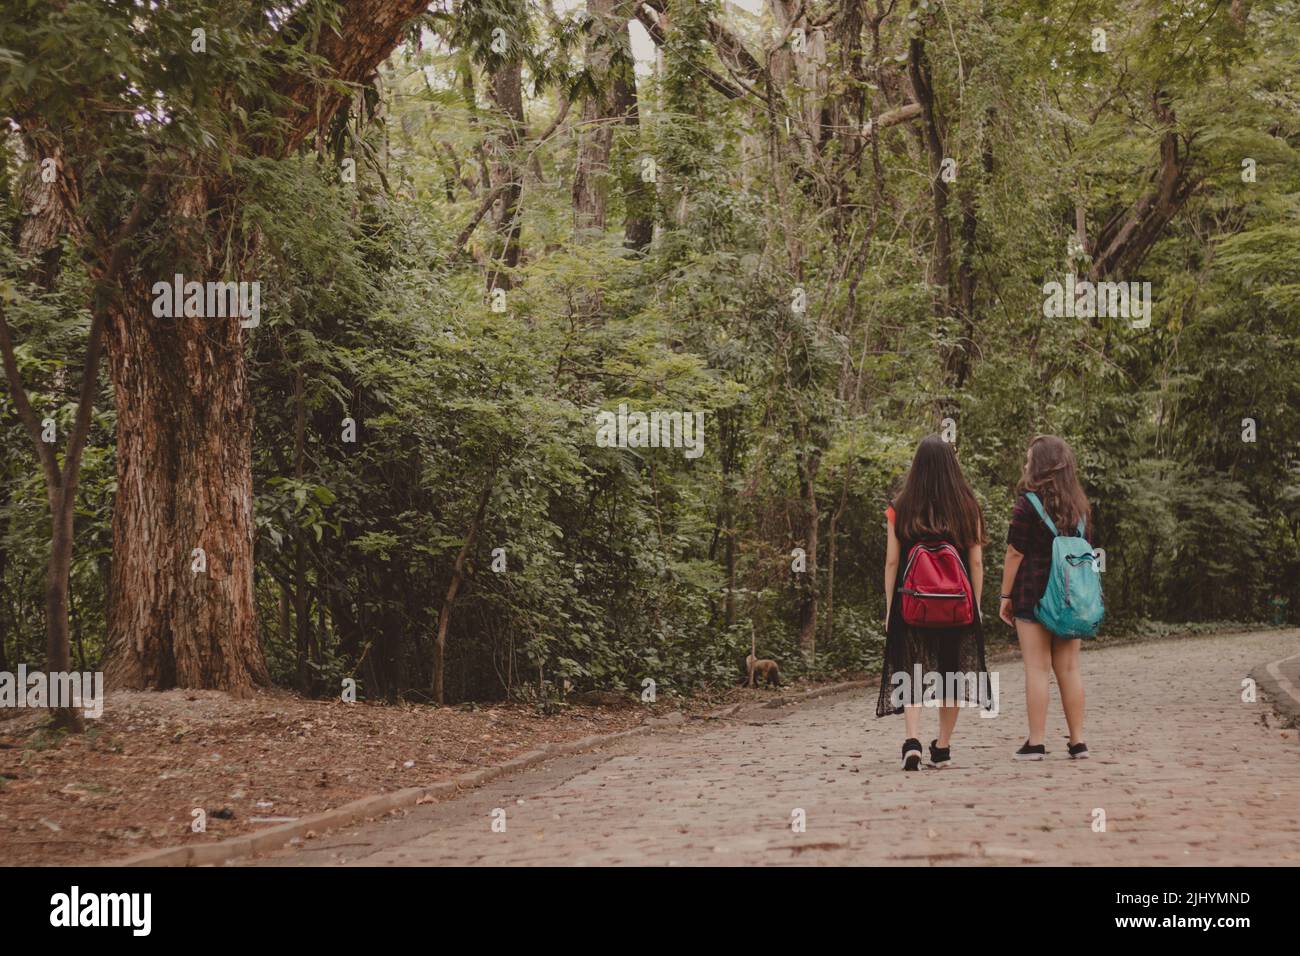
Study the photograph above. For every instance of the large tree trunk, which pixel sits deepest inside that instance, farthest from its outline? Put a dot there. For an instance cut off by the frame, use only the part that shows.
(184, 478)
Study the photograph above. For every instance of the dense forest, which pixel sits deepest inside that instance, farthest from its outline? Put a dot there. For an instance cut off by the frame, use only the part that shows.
(491, 249)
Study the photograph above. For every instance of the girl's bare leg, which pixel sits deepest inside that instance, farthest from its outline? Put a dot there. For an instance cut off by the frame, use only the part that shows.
(912, 718)
(1036, 650)
(947, 721)
(1065, 662)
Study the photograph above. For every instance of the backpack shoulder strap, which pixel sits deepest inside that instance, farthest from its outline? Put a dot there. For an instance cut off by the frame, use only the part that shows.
(1042, 513)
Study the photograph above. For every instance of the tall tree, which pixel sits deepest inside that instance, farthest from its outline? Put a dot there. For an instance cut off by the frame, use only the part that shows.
(504, 142)
(254, 90)
(594, 131)
(46, 203)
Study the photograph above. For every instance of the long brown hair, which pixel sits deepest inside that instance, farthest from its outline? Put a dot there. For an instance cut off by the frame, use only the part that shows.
(936, 501)
(1051, 473)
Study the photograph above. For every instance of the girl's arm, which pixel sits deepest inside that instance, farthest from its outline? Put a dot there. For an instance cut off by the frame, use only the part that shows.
(1009, 568)
(891, 569)
(976, 556)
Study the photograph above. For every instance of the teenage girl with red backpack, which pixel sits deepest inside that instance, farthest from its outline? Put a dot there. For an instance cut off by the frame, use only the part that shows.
(934, 570)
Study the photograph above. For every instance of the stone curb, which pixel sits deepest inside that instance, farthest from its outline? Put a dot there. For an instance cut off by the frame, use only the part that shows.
(276, 837)
(1280, 688)
(820, 692)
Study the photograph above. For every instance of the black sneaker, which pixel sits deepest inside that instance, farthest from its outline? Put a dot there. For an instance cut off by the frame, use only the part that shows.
(1079, 751)
(1036, 752)
(911, 754)
(939, 756)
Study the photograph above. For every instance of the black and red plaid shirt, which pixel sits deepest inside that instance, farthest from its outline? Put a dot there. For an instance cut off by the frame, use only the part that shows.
(1029, 535)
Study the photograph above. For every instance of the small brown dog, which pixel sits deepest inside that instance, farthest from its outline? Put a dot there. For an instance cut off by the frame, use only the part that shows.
(760, 670)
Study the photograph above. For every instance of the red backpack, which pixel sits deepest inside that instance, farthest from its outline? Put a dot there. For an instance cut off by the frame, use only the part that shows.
(936, 588)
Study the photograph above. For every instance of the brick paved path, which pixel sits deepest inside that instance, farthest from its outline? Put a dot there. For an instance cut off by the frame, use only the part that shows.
(1185, 772)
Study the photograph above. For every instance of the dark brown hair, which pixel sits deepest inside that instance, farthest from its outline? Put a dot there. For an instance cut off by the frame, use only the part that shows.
(936, 501)
(1052, 474)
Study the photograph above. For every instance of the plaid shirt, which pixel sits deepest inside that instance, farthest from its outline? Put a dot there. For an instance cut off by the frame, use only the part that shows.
(1032, 538)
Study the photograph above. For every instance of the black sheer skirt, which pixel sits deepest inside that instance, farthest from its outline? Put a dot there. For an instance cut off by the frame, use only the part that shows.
(931, 665)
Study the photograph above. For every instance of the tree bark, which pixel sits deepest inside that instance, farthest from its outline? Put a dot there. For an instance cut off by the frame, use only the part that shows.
(596, 128)
(366, 34)
(184, 476)
(638, 195)
(44, 216)
(918, 68)
(505, 87)
(959, 357)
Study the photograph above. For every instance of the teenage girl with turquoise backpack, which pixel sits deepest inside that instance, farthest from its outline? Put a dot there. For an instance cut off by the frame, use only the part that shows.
(1051, 588)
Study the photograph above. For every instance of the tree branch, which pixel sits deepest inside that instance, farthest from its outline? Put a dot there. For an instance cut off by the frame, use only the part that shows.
(1128, 236)
(367, 33)
(652, 27)
(491, 196)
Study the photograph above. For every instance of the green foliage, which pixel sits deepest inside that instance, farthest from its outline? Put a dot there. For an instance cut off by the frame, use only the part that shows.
(623, 565)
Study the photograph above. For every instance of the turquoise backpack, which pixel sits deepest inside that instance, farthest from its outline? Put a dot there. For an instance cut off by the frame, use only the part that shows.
(1071, 606)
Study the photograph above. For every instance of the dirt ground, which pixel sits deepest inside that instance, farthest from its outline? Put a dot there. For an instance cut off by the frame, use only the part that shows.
(133, 779)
